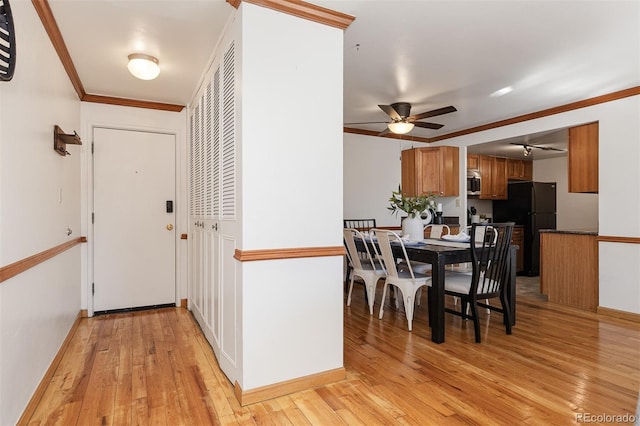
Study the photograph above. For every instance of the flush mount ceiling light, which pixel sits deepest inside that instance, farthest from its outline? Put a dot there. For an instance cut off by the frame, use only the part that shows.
(144, 67)
(400, 127)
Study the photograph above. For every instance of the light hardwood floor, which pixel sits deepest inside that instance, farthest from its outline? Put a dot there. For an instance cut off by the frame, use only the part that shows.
(155, 367)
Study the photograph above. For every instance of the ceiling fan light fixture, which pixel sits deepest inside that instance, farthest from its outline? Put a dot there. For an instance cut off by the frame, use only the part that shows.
(527, 151)
(142, 66)
(400, 127)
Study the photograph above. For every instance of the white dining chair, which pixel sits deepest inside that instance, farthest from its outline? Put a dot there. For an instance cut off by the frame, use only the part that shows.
(364, 265)
(437, 230)
(405, 280)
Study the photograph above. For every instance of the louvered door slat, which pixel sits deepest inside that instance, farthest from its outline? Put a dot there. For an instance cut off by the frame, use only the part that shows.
(228, 136)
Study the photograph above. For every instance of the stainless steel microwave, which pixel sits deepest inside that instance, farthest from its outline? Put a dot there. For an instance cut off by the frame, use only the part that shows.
(474, 182)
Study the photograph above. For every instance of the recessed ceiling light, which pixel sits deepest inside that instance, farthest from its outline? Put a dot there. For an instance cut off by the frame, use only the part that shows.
(501, 92)
(144, 67)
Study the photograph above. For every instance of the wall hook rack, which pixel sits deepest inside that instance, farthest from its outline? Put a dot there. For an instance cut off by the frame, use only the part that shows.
(61, 139)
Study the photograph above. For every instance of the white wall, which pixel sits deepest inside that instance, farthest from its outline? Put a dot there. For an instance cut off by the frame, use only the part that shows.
(372, 171)
(291, 184)
(574, 211)
(130, 118)
(39, 200)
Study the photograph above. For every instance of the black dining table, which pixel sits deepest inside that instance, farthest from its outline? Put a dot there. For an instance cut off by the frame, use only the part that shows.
(439, 255)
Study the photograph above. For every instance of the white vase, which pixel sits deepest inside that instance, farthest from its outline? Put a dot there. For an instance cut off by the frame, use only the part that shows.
(413, 229)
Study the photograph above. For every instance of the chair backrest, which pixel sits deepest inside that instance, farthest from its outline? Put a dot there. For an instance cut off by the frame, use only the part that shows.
(490, 246)
(437, 231)
(385, 238)
(362, 225)
(357, 258)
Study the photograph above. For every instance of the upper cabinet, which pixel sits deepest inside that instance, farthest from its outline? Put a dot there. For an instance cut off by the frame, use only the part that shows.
(583, 158)
(493, 171)
(519, 169)
(434, 170)
(473, 162)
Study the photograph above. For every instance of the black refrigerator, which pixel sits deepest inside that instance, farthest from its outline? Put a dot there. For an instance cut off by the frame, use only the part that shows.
(532, 205)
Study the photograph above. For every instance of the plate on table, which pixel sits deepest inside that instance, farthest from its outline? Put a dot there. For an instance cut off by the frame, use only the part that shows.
(458, 238)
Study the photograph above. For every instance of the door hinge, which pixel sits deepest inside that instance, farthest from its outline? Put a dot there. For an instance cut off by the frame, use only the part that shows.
(93, 289)
(92, 147)
(93, 217)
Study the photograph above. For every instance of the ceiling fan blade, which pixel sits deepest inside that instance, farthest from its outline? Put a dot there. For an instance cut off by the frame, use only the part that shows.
(433, 113)
(390, 111)
(545, 148)
(368, 122)
(548, 148)
(434, 126)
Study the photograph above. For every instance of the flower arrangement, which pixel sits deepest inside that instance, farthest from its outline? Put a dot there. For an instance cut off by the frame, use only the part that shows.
(412, 206)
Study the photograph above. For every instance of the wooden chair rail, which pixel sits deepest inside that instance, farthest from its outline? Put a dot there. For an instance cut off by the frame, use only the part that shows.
(20, 266)
(614, 239)
(287, 253)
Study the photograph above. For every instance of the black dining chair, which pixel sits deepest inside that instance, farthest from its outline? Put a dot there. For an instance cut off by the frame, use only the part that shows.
(490, 245)
(362, 225)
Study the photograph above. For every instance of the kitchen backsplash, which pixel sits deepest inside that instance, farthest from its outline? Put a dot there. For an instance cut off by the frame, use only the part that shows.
(483, 207)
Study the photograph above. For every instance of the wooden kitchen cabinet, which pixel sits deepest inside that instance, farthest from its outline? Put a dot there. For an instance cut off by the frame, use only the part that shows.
(583, 158)
(493, 171)
(426, 170)
(519, 169)
(472, 161)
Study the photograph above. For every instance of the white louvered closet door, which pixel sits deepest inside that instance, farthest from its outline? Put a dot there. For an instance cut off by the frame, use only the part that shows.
(213, 192)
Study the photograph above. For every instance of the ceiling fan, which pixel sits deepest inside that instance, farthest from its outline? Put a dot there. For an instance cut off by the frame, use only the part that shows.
(527, 148)
(401, 120)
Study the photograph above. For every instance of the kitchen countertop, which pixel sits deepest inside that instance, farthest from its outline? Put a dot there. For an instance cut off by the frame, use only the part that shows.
(571, 231)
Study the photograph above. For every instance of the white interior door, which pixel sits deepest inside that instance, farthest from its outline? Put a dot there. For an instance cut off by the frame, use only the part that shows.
(133, 231)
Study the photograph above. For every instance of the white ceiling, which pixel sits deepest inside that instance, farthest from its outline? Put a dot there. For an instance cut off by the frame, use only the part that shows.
(426, 52)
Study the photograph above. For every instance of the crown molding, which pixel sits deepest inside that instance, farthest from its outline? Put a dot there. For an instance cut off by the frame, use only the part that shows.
(51, 27)
(613, 96)
(132, 103)
(303, 10)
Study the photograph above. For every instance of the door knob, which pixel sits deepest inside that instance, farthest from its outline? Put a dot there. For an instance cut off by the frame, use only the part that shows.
(169, 227)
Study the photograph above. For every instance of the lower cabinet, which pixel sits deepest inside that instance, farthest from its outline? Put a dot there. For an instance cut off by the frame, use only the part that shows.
(569, 268)
(213, 296)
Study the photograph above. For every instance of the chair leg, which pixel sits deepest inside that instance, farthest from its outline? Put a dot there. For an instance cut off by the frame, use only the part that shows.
(506, 312)
(350, 290)
(384, 295)
(346, 278)
(371, 294)
(408, 307)
(463, 307)
(476, 320)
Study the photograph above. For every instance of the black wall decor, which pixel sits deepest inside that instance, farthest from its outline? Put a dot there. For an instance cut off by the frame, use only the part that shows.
(7, 42)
